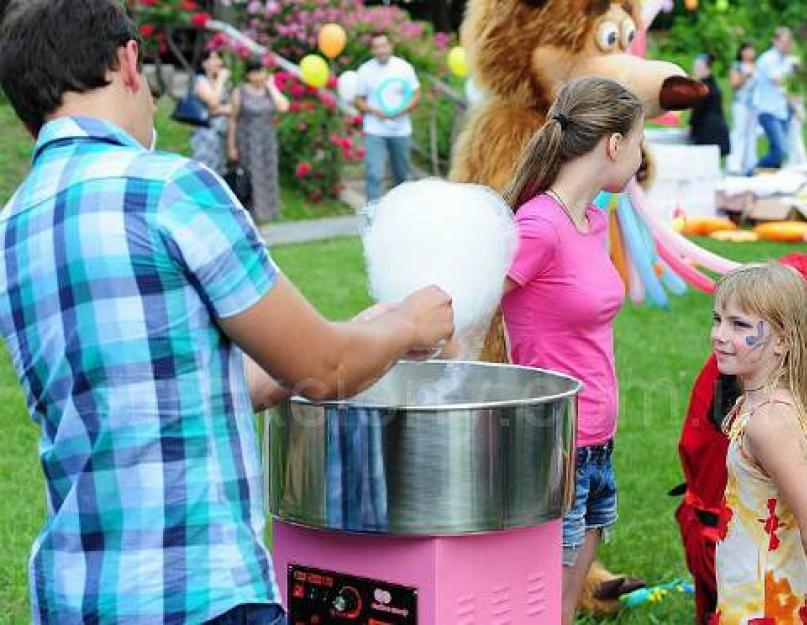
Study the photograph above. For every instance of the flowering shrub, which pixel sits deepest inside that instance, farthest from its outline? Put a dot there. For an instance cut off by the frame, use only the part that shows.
(155, 16)
(315, 139)
(290, 28)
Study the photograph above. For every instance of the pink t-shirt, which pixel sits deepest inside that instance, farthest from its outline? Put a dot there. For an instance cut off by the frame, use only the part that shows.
(561, 317)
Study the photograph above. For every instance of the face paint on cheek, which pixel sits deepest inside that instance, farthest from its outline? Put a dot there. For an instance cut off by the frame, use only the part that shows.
(756, 341)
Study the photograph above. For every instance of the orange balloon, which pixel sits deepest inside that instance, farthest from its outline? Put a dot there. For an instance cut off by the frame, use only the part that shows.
(704, 226)
(691, 5)
(618, 250)
(331, 40)
(789, 231)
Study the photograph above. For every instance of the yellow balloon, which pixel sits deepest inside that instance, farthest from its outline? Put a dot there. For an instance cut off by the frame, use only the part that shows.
(458, 61)
(314, 71)
(331, 40)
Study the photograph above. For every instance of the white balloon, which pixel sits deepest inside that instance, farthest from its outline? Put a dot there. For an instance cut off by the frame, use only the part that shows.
(473, 93)
(461, 237)
(347, 85)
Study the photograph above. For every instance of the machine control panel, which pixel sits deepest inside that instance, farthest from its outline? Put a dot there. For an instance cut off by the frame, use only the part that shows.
(318, 597)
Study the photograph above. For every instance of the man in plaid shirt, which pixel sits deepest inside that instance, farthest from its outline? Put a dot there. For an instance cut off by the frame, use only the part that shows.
(130, 283)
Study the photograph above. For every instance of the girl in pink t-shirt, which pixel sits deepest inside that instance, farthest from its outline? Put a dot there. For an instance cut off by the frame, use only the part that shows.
(563, 292)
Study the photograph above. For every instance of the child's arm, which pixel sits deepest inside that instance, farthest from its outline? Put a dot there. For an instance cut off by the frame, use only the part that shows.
(265, 391)
(321, 360)
(778, 443)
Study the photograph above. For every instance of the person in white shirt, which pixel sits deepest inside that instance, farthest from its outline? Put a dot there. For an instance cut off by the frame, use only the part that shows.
(388, 90)
(770, 96)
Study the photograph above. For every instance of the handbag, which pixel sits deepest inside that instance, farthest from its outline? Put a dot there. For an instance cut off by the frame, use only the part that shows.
(239, 181)
(191, 110)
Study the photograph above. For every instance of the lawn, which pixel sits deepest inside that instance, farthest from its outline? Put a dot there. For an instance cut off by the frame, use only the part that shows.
(658, 352)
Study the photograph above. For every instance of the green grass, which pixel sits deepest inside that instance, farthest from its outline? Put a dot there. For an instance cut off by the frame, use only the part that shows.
(15, 147)
(295, 207)
(658, 355)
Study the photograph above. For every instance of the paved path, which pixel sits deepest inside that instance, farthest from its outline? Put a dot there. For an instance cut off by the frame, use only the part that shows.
(308, 230)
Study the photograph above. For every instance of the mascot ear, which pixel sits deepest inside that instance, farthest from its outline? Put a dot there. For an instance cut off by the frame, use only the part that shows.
(590, 7)
(593, 7)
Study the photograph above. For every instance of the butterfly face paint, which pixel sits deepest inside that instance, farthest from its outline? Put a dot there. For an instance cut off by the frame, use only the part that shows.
(756, 340)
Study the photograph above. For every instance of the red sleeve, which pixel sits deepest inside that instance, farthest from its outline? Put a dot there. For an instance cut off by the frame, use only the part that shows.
(703, 446)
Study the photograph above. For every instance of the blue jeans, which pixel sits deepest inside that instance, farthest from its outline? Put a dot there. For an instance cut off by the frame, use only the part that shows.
(776, 131)
(594, 504)
(252, 614)
(376, 149)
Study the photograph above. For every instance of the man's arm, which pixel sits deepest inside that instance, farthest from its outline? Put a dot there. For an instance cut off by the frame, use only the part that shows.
(265, 391)
(364, 106)
(319, 359)
(413, 103)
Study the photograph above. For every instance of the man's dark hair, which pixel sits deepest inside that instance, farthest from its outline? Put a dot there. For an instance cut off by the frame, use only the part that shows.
(253, 64)
(50, 47)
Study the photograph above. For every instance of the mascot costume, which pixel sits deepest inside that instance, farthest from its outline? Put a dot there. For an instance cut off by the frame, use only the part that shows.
(520, 53)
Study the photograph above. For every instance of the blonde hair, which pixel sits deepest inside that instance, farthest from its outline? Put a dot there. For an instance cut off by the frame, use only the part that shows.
(585, 111)
(778, 294)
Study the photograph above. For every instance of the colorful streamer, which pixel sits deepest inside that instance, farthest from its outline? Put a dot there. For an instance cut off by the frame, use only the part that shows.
(640, 254)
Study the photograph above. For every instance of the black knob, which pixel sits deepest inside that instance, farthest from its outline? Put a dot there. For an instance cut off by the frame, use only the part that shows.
(347, 601)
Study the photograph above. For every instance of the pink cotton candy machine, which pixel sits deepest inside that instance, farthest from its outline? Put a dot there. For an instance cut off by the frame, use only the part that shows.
(433, 498)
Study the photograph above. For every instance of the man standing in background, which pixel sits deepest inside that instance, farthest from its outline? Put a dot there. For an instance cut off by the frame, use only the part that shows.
(770, 96)
(387, 124)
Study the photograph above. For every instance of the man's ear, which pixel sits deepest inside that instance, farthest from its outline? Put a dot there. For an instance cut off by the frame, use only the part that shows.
(128, 65)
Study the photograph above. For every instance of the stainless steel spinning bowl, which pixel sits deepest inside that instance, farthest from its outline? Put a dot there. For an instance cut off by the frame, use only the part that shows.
(433, 448)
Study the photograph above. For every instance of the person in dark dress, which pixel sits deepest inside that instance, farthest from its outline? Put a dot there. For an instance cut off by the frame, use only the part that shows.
(252, 140)
(707, 123)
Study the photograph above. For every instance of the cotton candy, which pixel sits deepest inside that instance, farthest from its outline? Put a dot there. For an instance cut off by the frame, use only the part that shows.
(461, 237)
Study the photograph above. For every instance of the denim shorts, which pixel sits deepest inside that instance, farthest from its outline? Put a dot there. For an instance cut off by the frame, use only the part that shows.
(252, 614)
(594, 506)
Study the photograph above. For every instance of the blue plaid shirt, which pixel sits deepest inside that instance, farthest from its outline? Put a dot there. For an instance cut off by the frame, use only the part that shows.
(115, 264)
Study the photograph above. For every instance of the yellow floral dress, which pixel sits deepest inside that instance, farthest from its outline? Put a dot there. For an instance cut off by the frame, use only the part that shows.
(760, 562)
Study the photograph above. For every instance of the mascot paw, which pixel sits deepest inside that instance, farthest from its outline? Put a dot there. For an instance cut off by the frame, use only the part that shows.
(613, 589)
(602, 590)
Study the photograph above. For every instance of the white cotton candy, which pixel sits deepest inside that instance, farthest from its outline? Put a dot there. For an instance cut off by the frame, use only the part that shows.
(461, 237)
